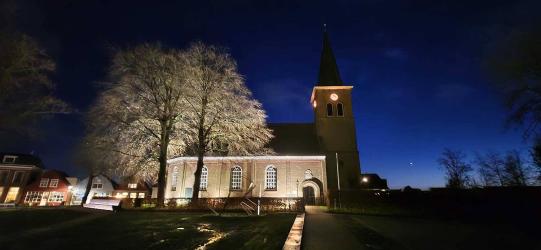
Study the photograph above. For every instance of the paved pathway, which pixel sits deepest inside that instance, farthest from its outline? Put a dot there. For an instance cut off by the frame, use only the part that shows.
(327, 231)
(343, 231)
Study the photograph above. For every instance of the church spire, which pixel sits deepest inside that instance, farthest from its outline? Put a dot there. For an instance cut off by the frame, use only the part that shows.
(328, 70)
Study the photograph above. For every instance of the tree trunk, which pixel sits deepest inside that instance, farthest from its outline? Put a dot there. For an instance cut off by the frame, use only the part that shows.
(88, 187)
(197, 183)
(163, 164)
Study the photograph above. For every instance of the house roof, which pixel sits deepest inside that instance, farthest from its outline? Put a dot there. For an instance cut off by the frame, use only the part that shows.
(294, 139)
(23, 159)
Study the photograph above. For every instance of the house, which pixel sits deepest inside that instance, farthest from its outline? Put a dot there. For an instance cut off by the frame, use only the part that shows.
(16, 171)
(101, 186)
(311, 161)
(132, 189)
(51, 188)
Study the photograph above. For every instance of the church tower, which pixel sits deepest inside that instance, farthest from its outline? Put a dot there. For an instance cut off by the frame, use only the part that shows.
(334, 122)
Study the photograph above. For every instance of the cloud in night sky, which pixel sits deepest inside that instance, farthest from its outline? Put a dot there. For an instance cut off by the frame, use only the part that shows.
(284, 96)
(453, 92)
(395, 53)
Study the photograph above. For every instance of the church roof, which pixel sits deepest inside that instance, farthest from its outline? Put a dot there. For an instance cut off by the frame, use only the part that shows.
(328, 70)
(294, 139)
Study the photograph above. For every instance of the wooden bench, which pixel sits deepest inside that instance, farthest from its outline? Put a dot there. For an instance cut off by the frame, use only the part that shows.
(104, 204)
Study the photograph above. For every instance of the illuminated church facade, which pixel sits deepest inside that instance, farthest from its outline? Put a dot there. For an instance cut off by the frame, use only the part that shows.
(311, 160)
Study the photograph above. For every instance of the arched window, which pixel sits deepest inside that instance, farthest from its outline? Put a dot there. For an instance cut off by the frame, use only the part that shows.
(204, 178)
(339, 109)
(174, 179)
(236, 178)
(270, 178)
(330, 109)
(308, 174)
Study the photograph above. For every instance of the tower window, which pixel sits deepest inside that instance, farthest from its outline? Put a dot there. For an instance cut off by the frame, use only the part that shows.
(340, 109)
(330, 109)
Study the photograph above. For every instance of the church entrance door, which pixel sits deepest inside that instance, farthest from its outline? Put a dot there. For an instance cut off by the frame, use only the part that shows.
(308, 195)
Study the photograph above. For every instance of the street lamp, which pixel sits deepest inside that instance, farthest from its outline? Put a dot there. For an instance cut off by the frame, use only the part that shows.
(338, 179)
(297, 194)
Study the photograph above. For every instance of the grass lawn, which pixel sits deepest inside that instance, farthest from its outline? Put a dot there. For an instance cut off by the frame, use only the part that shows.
(15, 221)
(164, 230)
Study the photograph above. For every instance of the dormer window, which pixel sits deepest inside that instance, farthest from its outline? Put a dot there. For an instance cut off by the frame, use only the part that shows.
(44, 182)
(54, 183)
(132, 185)
(9, 159)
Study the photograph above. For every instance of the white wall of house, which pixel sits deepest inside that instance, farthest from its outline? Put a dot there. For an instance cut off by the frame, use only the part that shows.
(101, 186)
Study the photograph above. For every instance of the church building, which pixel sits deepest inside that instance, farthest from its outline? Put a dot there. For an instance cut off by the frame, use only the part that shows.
(311, 160)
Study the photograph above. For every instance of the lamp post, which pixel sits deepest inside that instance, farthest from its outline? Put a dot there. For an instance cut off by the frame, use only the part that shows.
(338, 179)
(297, 194)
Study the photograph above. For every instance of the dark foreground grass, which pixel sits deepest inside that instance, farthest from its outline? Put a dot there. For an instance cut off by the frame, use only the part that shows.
(15, 221)
(164, 230)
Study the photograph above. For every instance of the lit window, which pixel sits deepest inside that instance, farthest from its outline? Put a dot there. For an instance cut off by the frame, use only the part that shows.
(174, 179)
(270, 178)
(308, 174)
(330, 110)
(204, 178)
(96, 183)
(334, 97)
(56, 197)
(141, 195)
(32, 196)
(132, 185)
(12, 194)
(340, 109)
(43, 182)
(236, 178)
(9, 159)
(54, 183)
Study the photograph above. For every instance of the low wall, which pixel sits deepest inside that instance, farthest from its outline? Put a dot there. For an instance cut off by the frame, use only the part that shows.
(229, 204)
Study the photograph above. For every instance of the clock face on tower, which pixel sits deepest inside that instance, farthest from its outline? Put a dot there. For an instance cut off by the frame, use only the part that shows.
(334, 97)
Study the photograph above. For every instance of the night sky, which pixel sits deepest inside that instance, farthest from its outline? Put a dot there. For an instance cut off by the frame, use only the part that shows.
(416, 67)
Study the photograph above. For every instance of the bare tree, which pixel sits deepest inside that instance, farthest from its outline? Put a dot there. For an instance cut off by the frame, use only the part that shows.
(516, 173)
(26, 91)
(224, 118)
(138, 116)
(515, 65)
(535, 153)
(456, 169)
(491, 168)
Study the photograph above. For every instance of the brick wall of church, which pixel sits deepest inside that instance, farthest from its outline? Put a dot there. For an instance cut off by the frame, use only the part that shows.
(291, 177)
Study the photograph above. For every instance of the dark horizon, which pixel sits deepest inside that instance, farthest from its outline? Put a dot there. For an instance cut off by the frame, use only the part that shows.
(417, 69)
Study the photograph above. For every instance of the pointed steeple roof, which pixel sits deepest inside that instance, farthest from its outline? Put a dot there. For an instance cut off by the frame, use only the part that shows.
(328, 70)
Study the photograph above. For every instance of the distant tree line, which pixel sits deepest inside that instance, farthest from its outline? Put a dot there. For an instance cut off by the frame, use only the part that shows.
(490, 169)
